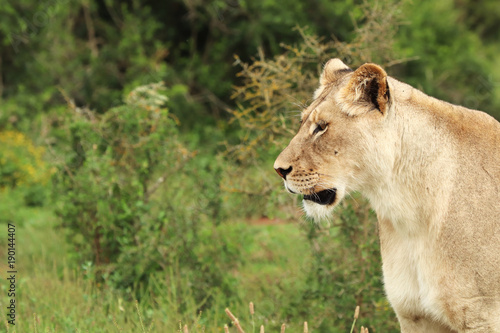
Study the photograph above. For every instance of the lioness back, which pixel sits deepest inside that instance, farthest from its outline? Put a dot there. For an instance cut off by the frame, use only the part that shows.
(431, 171)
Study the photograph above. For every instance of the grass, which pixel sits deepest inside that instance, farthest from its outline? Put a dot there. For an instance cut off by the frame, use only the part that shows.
(305, 326)
(54, 294)
(273, 258)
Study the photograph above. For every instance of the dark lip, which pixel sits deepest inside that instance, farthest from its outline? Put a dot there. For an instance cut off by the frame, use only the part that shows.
(325, 197)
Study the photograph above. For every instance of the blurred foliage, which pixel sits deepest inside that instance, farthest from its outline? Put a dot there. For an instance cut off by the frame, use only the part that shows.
(21, 162)
(448, 64)
(482, 19)
(74, 45)
(148, 187)
(22, 165)
(109, 189)
(111, 169)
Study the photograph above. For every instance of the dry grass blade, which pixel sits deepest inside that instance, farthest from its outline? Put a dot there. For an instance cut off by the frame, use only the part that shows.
(34, 321)
(306, 330)
(116, 324)
(261, 328)
(252, 312)
(283, 328)
(140, 316)
(356, 312)
(226, 329)
(235, 321)
(185, 330)
(150, 326)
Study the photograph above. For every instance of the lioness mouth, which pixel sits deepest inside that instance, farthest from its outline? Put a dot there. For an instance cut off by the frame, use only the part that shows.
(325, 197)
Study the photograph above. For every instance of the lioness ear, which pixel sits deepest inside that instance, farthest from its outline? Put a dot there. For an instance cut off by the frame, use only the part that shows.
(368, 87)
(332, 70)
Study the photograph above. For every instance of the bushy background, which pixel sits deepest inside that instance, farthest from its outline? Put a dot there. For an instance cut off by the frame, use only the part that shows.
(136, 147)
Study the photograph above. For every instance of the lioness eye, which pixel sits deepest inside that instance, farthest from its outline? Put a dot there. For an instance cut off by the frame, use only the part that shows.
(320, 127)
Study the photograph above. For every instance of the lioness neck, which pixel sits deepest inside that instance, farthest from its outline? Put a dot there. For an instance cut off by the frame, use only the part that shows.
(415, 186)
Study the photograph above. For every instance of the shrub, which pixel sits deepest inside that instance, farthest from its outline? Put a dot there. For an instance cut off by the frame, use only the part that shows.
(21, 162)
(22, 166)
(133, 202)
(112, 169)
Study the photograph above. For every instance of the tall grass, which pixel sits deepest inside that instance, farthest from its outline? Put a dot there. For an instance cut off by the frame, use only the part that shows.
(55, 295)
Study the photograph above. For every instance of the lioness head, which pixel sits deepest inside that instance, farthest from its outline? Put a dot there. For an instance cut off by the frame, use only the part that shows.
(342, 131)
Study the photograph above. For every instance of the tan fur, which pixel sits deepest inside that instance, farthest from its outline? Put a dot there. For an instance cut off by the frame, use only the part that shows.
(431, 171)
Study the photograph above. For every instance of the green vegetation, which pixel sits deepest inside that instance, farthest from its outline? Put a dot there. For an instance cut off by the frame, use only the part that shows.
(136, 147)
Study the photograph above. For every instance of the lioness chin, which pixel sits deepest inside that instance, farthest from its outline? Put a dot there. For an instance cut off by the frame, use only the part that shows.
(431, 171)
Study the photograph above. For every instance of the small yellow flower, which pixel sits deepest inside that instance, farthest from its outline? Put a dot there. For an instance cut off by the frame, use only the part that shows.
(19, 153)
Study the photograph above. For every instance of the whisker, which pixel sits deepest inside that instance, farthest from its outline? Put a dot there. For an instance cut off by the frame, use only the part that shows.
(354, 199)
(299, 103)
(326, 185)
(325, 175)
(292, 114)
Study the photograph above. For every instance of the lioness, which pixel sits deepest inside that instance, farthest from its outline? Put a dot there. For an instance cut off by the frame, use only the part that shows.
(431, 171)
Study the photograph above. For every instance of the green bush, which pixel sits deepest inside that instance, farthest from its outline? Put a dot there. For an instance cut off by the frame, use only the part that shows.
(112, 169)
(21, 162)
(135, 203)
(450, 61)
(22, 167)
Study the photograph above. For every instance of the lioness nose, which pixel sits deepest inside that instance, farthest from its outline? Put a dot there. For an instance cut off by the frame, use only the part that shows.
(282, 172)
